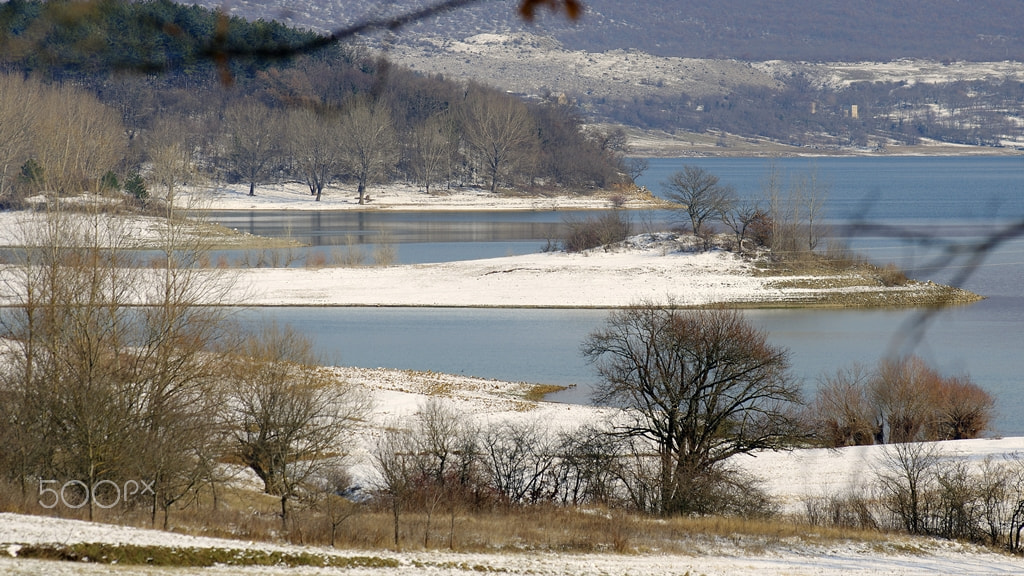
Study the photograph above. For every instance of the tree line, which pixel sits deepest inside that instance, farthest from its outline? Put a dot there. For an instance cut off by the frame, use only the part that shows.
(337, 115)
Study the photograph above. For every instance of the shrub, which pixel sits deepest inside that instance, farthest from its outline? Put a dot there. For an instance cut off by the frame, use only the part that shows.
(902, 400)
(110, 182)
(136, 186)
(31, 172)
(892, 275)
(593, 232)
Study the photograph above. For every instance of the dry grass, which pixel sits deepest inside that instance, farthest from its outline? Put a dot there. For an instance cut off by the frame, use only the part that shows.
(552, 528)
(538, 392)
(247, 515)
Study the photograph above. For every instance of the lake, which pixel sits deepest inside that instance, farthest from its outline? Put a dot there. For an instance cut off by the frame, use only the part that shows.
(952, 201)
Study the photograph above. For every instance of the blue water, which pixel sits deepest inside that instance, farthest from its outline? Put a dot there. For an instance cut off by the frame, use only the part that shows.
(956, 200)
(901, 189)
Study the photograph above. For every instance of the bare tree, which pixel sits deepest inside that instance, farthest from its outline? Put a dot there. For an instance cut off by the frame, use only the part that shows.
(65, 150)
(19, 99)
(288, 415)
(369, 144)
(698, 193)
(841, 412)
(588, 460)
(902, 400)
(395, 464)
(900, 391)
(110, 390)
(334, 486)
(962, 409)
(702, 385)
(740, 217)
(433, 145)
(636, 168)
(314, 138)
(499, 132)
(794, 211)
(812, 197)
(177, 351)
(255, 141)
(447, 462)
(72, 325)
(907, 476)
(172, 164)
(516, 457)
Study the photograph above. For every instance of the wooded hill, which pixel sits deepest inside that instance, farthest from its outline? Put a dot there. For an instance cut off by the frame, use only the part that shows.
(207, 83)
(981, 107)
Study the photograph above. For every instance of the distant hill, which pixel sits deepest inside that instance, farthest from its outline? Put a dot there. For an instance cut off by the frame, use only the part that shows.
(800, 30)
(825, 74)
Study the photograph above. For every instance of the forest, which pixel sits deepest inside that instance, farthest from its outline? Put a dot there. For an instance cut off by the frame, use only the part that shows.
(248, 108)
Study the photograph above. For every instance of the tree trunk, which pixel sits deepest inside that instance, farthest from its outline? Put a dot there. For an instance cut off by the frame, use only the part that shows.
(395, 512)
(451, 529)
(252, 188)
(284, 514)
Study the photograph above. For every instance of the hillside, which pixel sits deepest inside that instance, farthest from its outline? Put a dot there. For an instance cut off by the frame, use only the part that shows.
(798, 30)
(819, 76)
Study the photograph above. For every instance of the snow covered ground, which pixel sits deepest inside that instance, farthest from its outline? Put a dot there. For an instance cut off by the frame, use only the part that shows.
(295, 196)
(557, 279)
(790, 476)
(598, 279)
(716, 558)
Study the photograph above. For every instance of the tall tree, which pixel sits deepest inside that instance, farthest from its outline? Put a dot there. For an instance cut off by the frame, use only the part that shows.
(254, 140)
(499, 131)
(19, 99)
(698, 194)
(315, 141)
(369, 144)
(288, 414)
(702, 385)
(116, 391)
(433, 144)
(75, 142)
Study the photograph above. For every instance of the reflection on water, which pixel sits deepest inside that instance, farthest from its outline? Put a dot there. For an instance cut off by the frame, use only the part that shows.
(420, 237)
(334, 227)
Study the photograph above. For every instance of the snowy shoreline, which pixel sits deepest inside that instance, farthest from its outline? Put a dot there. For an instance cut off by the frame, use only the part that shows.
(657, 268)
(404, 197)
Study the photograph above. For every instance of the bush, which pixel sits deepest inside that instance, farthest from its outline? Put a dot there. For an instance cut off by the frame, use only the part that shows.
(593, 232)
(109, 182)
(902, 400)
(136, 186)
(892, 275)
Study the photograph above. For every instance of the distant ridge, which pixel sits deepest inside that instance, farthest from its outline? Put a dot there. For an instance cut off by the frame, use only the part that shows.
(798, 30)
